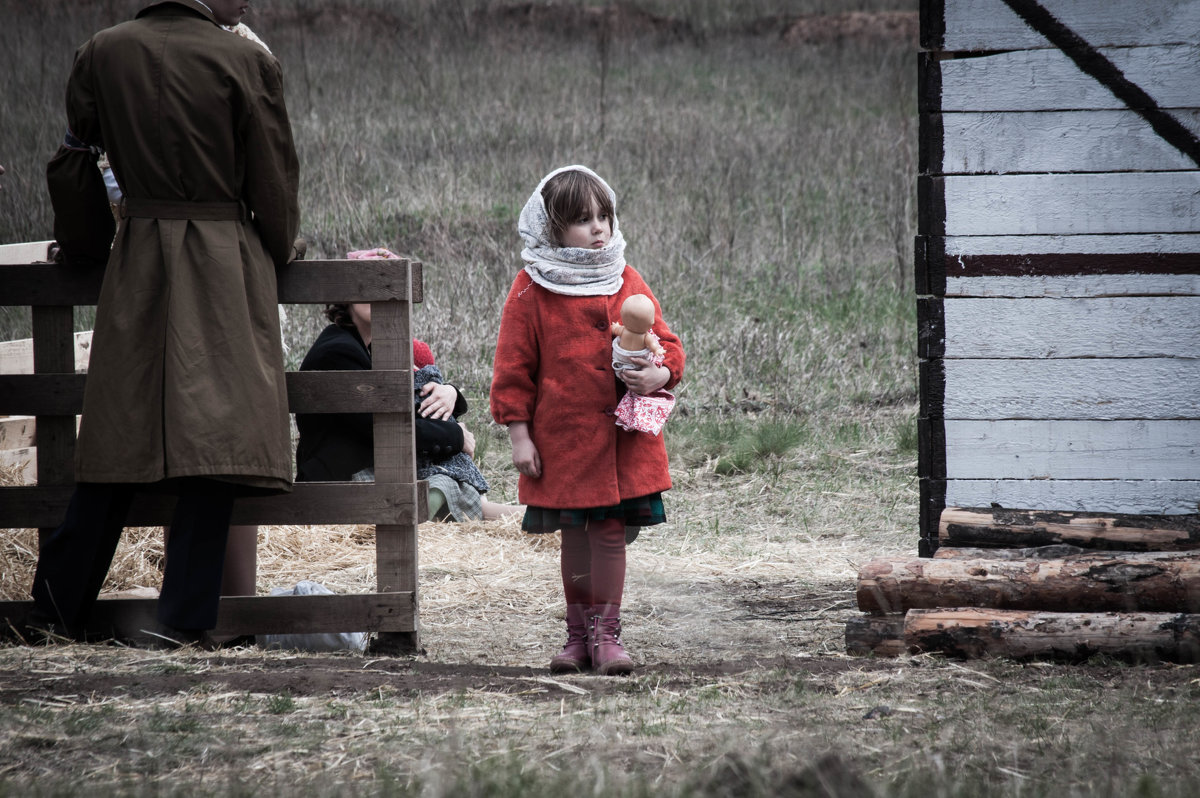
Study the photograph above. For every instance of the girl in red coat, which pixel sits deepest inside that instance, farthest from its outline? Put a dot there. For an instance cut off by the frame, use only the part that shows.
(553, 385)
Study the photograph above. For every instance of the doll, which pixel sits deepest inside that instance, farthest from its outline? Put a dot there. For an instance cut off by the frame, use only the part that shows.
(632, 332)
(634, 338)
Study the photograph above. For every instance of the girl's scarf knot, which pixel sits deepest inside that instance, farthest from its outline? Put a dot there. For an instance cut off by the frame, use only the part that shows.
(573, 271)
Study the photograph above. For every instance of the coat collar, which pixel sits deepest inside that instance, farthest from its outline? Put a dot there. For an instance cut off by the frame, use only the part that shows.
(192, 5)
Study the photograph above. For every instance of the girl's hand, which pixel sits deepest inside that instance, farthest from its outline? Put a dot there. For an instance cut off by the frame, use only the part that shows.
(646, 379)
(468, 440)
(439, 400)
(524, 454)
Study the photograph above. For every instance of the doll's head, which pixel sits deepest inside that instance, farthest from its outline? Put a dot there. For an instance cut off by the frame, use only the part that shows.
(637, 313)
(572, 195)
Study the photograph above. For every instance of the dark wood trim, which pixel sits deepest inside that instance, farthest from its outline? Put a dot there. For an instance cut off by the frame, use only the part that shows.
(931, 448)
(932, 502)
(301, 282)
(929, 83)
(308, 392)
(931, 327)
(933, 24)
(934, 264)
(136, 619)
(931, 205)
(931, 376)
(931, 144)
(30, 506)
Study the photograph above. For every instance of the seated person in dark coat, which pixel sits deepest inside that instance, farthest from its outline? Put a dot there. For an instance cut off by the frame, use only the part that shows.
(338, 447)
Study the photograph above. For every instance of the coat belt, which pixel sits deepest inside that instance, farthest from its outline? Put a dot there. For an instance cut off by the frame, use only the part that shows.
(171, 209)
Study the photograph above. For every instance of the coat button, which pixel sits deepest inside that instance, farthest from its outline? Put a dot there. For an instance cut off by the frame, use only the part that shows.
(610, 411)
(601, 325)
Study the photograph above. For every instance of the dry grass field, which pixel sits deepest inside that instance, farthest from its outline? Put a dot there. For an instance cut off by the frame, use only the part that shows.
(764, 156)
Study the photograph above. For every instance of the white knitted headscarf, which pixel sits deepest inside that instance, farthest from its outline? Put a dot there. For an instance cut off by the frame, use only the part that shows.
(574, 271)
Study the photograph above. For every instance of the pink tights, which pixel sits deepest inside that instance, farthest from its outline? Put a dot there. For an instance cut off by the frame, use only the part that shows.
(593, 563)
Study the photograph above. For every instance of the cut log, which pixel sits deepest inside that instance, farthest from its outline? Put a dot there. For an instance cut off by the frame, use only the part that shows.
(1101, 582)
(972, 633)
(880, 635)
(1034, 553)
(1021, 528)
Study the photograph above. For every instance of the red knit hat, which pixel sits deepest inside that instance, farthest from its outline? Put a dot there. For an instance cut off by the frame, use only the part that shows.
(422, 354)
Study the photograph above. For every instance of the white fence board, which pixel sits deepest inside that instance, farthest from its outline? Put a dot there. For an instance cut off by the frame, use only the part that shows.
(1133, 497)
(24, 252)
(992, 25)
(989, 205)
(1047, 80)
(16, 357)
(1112, 327)
(1098, 388)
(1058, 141)
(1123, 450)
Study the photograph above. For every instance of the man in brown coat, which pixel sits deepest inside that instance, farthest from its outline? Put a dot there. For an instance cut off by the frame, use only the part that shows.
(185, 389)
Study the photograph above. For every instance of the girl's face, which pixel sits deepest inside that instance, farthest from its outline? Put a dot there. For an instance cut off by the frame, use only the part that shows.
(592, 230)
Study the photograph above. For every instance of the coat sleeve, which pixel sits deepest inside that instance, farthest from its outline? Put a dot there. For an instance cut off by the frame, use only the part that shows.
(515, 367)
(83, 223)
(272, 167)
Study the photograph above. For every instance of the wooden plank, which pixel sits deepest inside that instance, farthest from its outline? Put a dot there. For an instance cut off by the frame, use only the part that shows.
(990, 205)
(1048, 80)
(1075, 285)
(301, 282)
(1115, 327)
(1055, 141)
(396, 554)
(309, 503)
(1029, 449)
(308, 392)
(1126, 497)
(136, 619)
(24, 252)
(1097, 389)
(973, 25)
(1055, 531)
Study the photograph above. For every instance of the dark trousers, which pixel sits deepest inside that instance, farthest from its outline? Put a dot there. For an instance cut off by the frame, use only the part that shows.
(74, 561)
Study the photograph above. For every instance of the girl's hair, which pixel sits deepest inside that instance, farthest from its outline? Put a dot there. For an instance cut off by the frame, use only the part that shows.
(339, 314)
(569, 196)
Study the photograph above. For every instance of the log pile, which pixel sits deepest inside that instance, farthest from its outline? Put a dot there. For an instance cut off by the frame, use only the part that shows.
(1038, 585)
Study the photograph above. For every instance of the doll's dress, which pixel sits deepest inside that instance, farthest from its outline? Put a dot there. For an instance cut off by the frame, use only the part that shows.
(636, 412)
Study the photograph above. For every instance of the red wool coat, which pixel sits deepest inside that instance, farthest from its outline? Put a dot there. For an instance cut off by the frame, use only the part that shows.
(553, 370)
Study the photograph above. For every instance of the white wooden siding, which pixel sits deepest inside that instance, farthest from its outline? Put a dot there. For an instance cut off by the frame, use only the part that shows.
(1120, 327)
(1059, 141)
(1096, 389)
(1154, 202)
(1135, 497)
(992, 25)
(1108, 450)
(1047, 80)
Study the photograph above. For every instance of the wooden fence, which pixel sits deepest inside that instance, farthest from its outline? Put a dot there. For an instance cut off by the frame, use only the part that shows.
(53, 395)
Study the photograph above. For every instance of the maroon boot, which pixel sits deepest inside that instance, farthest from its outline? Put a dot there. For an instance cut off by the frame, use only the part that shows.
(604, 641)
(574, 657)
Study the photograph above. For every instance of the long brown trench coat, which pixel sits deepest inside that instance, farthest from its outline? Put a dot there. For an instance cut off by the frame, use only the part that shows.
(186, 376)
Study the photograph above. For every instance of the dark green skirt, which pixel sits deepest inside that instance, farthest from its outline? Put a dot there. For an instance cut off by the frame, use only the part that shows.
(637, 512)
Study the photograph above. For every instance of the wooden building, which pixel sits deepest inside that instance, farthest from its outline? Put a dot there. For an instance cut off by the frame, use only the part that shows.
(1058, 258)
